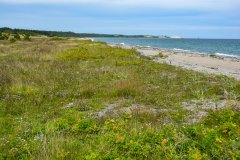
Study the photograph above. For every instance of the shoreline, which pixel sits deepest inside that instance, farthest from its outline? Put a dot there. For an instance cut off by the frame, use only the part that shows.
(202, 62)
(217, 54)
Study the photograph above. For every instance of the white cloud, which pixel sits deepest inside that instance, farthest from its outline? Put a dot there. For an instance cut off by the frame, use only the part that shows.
(192, 4)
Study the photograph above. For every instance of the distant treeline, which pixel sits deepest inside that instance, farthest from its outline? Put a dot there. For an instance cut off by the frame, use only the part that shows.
(61, 34)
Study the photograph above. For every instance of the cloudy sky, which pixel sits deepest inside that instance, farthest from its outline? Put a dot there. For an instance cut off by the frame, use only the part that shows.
(187, 18)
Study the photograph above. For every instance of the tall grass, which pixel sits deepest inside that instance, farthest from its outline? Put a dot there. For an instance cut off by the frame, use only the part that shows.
(51, 90)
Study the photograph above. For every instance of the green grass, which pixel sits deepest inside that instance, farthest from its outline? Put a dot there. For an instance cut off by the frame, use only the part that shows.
(213, 55)
(57, 39)
(50, 91)
(161, 55)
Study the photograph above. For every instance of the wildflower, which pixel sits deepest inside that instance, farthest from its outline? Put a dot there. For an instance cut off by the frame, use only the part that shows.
(118, 139)
(190, 150)
(219, 140)
(115, 127)
(164, 141)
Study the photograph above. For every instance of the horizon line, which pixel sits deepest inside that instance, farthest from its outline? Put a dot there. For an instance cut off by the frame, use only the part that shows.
(154, 36)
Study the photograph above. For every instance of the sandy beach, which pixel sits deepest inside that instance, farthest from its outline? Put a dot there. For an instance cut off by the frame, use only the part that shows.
(220, 65)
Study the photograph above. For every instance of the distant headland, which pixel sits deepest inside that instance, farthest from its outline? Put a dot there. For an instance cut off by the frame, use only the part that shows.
(80, 35)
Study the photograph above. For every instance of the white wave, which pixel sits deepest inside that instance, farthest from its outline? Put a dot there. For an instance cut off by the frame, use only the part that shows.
(122, 43)
(225, 55)
(177, 49)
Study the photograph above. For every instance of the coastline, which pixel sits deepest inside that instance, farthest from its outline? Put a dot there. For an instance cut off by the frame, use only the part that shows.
(208, 63)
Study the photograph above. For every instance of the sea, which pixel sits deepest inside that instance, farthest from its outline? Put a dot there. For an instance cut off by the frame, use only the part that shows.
(222, 47)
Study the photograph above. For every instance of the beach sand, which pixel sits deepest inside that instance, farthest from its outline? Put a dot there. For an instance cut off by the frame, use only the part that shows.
(221, 65)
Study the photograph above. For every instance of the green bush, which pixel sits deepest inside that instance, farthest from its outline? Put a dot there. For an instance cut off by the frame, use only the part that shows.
(12, 39)
(57, 39)
(3, 36)
(26, 37)
(76, 54)
(213, 55)
(17, 36)
(86, 126)
(161, 55)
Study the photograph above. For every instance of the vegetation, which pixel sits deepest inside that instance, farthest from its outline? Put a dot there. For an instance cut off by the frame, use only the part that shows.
(213, 55)
(3, 36)
(161, 55)
(64, 34)
(57, 39)
(26, 37)
(12, 39)
(69, 99)
(17, 36)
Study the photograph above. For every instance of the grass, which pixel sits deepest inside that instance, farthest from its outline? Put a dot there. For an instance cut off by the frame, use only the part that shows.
(51, 89)
(161, 55)
(57, 39)
(213, 55)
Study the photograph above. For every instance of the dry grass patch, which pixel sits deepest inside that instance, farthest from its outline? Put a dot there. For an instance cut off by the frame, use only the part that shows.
(128, 88)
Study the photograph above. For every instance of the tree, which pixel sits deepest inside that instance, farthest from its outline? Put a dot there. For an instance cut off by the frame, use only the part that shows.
(3, 36)
(17, 36)
(26, 37)
(6, 36)
(12, 39)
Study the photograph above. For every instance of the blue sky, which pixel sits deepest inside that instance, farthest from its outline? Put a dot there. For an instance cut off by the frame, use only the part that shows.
(187, 18)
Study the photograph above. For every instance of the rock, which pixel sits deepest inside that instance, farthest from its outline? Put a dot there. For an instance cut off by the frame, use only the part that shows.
(70, 105)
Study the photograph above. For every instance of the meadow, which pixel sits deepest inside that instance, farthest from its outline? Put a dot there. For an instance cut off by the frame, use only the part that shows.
(73, 99)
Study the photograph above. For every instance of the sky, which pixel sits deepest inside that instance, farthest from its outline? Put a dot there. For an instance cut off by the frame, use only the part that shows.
(186, 18)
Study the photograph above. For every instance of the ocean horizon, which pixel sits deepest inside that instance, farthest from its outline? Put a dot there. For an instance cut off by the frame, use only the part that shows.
(222, 47)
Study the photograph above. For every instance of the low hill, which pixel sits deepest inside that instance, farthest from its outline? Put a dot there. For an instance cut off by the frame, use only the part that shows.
(64, 34)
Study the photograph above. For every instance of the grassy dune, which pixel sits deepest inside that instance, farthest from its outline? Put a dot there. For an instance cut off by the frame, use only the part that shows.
(69, 99)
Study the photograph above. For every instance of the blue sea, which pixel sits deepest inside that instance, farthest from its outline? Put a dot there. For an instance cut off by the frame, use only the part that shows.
(225, 47)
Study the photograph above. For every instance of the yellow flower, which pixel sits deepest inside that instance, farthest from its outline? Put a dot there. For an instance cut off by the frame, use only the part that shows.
(219, 140)
(116, 127)
(131, 142)
(119, 139)
(164, 141)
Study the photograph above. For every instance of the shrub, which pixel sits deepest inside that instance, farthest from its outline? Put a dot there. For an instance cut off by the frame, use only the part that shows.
(86, 126)
(161, 55)
(17, 36)
(213, 55)
(59, 124)
(12, 39)
(76, 54)
(1, 36)
(26, 37)
(57, 39)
